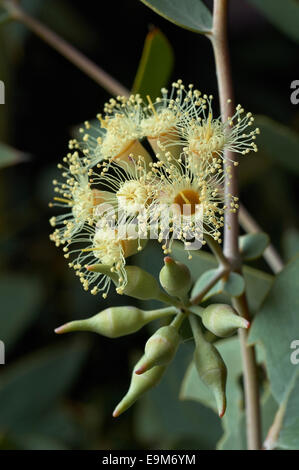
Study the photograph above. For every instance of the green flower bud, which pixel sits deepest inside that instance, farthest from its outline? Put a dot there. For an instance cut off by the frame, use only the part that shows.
(175, 277)
(139, 385)
(210, 367)
(116, 321)
(222, 320)
(139, 283)
(160, 349)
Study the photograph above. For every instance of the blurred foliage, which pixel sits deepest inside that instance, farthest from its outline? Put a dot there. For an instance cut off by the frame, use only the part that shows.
(58, 393)
(155, 65)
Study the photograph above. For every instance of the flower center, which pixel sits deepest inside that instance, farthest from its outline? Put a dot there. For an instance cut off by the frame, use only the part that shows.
(107, 246)
(187, 199)
(133, 196)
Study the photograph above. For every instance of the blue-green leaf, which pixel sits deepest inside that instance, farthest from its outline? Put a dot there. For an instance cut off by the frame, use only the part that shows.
(253, 245)
(189, 14)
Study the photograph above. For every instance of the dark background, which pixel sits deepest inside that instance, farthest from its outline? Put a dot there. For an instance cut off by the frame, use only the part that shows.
(46, 97)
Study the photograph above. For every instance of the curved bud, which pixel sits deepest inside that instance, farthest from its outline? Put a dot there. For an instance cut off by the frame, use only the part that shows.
(160, 349)
(212, 371)
(139, 283)
(223, 320)
(210, 367)
(116, 321)
(139, 385)
(175, 277)
(142, 285)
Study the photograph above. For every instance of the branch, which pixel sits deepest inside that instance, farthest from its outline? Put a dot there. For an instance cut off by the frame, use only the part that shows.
(67, 50)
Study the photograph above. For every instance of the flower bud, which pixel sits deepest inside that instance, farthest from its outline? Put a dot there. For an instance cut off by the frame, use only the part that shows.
(222, 320)
(210, 366)
(212, 371)
(175, 277)
(139, 385)
(116, 321)
(160, 349)
(139, 283)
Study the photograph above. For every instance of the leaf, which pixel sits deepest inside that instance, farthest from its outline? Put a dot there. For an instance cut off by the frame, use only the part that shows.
(279, 142)
(203, 281)
(284, 15)
(10, 156)
(161, 415)
(235, 439)
(235, 285)
(193, 388)
(155, 66)
(189, 14)
(290, 242)
(276, 326)
(257, 282)
(32, 385)
(21, 298)
(253, 245)
(289, 435)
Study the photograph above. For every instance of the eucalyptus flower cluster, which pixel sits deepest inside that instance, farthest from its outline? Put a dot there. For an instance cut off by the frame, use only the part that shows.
(150, 169)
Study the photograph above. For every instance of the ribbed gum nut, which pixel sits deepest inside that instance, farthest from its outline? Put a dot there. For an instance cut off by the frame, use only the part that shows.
(212, 371)
(131, 154)
(141, 284)
(160, 349)
(112, 322)
(223, 320)
(175, 277)
(139, 385)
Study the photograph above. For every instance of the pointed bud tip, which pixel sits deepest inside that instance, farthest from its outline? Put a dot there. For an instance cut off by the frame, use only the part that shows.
(141, 369)
(90, 267)
(115, 413)
(247, 325)
(168, 260)
(60, 329)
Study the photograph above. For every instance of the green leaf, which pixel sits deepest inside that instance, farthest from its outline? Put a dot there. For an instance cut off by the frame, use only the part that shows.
(21, 298)
(276, 326)
(253, 245)
(193, 388)
(235, 285)
(289, 435)
(290, 242)
(279, 142)
(257, 282)
(235, 438)
(155, 66)
(283, 14)
(189, 14)
(163, 419)
(203, 281)
(32, 385)
(10, 156)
